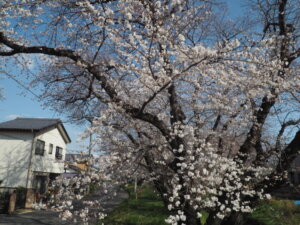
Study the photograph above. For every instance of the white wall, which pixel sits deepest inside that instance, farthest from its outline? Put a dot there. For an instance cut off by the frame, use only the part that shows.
(48, 163)
(15, 150)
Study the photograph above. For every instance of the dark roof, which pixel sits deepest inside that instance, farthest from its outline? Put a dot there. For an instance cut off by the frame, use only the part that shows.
(33, 125)
(28, 124)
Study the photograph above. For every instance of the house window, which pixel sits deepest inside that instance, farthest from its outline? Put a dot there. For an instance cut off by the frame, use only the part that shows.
(58, 153)
(39, 147)
(50, 148)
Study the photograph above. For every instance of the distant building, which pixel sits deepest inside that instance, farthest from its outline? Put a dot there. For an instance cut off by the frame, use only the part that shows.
(32, 152)
(81, 161)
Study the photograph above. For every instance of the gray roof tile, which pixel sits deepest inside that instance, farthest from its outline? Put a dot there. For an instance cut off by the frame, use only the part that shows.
(34, 124)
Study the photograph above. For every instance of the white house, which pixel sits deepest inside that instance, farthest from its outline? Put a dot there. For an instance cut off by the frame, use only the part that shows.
(32, 152)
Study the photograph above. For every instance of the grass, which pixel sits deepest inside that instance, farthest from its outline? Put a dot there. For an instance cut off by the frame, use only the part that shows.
(277, 212)
(148, 209)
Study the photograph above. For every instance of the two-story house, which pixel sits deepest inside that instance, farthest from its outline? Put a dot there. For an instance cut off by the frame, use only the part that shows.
(32, 152)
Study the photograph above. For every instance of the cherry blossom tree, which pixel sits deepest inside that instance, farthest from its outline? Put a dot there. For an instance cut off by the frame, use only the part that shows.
(177, 97)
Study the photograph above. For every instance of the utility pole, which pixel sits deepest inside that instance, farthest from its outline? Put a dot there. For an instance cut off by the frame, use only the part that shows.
(90, 146)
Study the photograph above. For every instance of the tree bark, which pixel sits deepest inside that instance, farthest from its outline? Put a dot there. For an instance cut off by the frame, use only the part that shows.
(233, 219)
(213, 220)
(191, 216)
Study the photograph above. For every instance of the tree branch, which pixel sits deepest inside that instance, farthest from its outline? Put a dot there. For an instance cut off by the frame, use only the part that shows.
(134, 112)
(283, 127)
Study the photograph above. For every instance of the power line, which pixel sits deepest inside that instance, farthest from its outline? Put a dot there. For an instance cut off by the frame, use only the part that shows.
(21, 84)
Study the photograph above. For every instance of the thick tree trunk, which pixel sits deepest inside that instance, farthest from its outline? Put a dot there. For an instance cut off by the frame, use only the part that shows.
(213, 220)
(191, 216)
(189, 212)
(233, 219)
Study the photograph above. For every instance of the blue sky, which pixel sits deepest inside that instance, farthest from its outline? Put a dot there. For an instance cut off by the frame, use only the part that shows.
(19, 102)
(235, 7)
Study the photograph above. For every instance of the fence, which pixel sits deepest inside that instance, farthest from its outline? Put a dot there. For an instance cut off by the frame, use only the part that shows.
(11, 199)
(4, 201)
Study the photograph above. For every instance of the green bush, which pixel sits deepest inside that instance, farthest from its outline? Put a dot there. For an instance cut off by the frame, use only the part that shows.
(277, 212)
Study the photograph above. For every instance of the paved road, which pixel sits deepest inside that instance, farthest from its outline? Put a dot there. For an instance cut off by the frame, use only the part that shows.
(33, 218)
(51, 218)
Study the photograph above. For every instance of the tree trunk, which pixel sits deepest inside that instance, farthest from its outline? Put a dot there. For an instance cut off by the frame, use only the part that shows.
(191, 216)
(233, 219)
(213, 220)
(189, 212)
